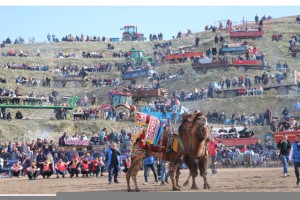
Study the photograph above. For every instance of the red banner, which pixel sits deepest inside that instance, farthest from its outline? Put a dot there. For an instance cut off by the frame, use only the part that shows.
(152, 129)
(140, 119)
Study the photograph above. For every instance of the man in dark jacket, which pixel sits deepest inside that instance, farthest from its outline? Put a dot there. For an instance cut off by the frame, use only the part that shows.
(113, 162)
(284, 146)
(295, 157)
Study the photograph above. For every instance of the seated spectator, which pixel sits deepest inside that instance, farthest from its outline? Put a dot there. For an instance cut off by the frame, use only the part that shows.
(61, 168)
(222, 130)
(47, 169)
(32, 171)
(74, 167)
(85, 167)
(19, 115)
(244, 149)
(16, 169)
(95, 166)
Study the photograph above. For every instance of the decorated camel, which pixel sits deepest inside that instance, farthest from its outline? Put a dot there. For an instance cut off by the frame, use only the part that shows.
(190, 142)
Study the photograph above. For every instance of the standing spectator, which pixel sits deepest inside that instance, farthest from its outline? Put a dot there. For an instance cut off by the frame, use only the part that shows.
(256, 19)
(268, 116)
(38, 53)
(149, 163)
(113, 162)
(197, 40)
(295, 157)
(216, 40)
(212, 151)
(284, 146)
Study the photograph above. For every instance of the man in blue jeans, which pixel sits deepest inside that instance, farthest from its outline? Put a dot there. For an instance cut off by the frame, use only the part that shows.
(295, 157)
(284, 146)
(113, 162)
(149, 163)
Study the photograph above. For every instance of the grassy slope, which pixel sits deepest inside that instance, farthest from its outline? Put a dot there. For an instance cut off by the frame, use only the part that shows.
(274, 51)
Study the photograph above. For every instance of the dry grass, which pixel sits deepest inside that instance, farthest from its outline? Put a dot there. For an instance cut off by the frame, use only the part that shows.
(274, 51)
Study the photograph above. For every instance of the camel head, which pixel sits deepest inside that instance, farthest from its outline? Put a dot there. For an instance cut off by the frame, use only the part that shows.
(200, 119)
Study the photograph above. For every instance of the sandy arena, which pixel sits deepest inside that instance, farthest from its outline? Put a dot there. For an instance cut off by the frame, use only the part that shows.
(227, 180)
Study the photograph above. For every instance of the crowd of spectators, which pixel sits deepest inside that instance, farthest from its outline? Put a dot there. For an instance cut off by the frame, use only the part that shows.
(15, 53)
(43, 157)
(27, 66)
(238, 118)
(83, 38)
(103, 82)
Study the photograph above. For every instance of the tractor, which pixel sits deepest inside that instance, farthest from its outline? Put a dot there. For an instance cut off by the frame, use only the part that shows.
(137, 58)
(130, 34)
(121, 102)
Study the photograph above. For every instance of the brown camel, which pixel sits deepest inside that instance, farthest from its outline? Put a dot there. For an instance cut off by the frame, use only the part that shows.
(192, 136)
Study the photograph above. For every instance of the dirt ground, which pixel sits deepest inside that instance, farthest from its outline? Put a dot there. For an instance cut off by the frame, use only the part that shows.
(227, 180)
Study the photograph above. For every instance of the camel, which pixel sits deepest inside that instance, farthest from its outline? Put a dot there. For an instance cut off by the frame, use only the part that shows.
(192, 136)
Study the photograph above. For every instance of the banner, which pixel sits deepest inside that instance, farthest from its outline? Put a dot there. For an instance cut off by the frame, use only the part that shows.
(152, 129)
(140, 119)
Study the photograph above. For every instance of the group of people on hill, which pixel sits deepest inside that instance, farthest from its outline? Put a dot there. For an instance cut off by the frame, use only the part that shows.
(154, 37)
(238, 118)
(83, 38)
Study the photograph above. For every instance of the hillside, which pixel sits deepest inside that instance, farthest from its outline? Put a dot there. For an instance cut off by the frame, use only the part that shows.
(39, 119)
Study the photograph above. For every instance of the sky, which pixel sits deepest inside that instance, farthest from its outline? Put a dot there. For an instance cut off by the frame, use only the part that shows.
(38, 21)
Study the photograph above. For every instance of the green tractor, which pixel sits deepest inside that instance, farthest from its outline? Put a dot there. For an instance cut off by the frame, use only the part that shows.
(137, 58)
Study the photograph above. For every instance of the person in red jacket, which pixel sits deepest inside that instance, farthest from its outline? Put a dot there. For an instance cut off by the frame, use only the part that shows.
(95, 166)
(61, 168)
(244, 149)
(47, 169)
(74, 167)
(85, 167)
(212, 151)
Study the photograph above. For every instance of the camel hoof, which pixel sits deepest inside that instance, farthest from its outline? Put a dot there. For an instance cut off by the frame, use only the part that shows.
(186, 184)
(176, 188)
(129, 190)
(137, 190)
(194, 187)
(206, 186)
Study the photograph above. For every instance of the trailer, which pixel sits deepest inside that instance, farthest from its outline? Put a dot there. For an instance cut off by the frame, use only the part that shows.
(241, 32)
(63, 80)
(204, 64)
(140, 73)
(235, 50)
(149, 93)
(229, 93)
(290, 134)
(182, 57)
(233, 142)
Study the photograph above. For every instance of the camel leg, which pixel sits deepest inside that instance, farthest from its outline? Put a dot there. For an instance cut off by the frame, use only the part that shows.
(132, 172)
(187, 182)
(192, 165)
(173, 169)
(177, 176)
(202, 164)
